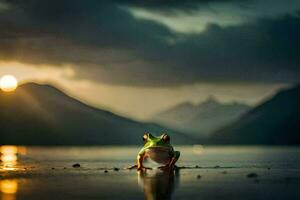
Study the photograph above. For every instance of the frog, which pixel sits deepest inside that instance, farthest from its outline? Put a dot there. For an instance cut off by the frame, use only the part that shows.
(159, 150)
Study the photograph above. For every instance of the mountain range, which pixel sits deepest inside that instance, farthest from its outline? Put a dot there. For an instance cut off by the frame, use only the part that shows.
(38, 114)
(201, 119)
(276, 121)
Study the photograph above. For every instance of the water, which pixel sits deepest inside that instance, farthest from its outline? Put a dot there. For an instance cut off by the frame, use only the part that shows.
(210, 172)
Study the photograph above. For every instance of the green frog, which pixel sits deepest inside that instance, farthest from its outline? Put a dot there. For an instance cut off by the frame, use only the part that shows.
(157, 149)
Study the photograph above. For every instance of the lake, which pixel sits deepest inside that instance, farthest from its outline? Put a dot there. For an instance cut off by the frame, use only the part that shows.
(207, 172)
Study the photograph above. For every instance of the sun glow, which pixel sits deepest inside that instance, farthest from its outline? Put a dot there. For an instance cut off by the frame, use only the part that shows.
(8, 83)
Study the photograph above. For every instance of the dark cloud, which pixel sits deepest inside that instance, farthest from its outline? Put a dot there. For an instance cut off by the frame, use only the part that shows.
(265, 50)
(186, 5)
(106, 43)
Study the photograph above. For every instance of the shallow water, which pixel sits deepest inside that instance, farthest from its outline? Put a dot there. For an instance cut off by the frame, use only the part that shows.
(210, 172)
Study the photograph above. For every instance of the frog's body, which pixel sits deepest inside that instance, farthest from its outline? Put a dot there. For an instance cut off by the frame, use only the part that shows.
(160, 155)
(159, 150)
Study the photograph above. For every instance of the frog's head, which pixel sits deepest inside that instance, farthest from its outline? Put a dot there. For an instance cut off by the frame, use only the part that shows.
(153, 141)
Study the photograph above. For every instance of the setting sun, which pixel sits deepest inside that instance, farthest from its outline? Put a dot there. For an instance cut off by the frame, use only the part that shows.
(8, 83)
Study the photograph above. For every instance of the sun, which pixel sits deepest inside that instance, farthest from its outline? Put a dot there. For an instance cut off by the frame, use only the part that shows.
(8, 83)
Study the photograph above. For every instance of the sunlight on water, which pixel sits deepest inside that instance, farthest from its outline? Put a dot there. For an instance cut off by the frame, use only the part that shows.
(9, 156)
(9, 186)
(8, 189)
(6, 149)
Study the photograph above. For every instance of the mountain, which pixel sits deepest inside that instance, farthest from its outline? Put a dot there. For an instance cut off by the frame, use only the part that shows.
(276, 121)
(42, 115)
(201, 119)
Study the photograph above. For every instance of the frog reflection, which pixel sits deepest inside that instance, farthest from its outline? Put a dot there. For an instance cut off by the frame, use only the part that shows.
(158, 184)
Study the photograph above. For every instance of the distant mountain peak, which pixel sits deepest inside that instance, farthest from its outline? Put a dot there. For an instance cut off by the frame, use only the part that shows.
(211, 100)
(200, 118)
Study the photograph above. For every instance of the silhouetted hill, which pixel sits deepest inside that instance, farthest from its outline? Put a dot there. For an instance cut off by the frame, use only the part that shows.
(276, 121)
(43, 115)
(201, 119)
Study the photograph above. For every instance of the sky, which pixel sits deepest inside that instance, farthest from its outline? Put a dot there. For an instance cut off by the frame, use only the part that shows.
(139, 57)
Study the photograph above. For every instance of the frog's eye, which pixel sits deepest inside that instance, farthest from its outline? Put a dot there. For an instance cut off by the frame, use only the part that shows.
(145, 137)
(166, 138)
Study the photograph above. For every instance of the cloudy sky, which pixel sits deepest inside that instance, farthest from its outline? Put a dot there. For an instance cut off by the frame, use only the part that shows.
(138, 57)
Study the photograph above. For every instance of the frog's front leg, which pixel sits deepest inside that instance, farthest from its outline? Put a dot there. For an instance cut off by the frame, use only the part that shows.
(140, 158)
(174, 158)
(172, 162)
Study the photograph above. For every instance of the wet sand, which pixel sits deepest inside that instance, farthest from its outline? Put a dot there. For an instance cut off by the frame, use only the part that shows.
(36, 176)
